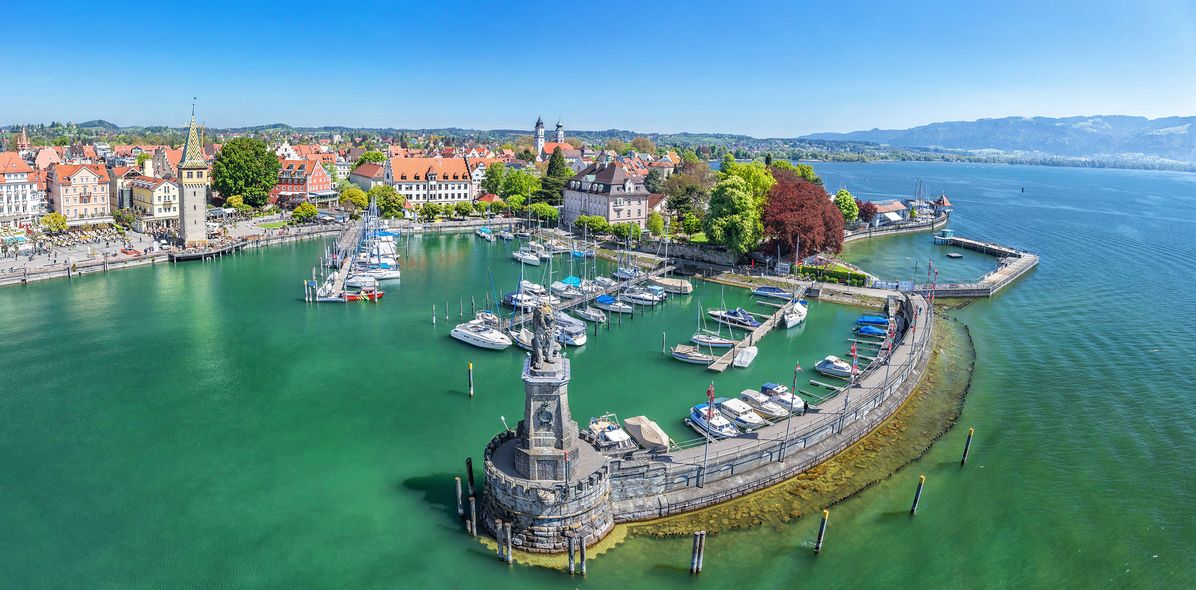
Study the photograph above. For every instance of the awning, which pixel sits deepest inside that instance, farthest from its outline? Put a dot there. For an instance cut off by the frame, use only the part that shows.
(892, 217)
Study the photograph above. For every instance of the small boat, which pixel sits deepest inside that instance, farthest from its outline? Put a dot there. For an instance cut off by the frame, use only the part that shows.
(954, 255)
(626, 273)
(796, 314)
(566, 290)
(706, 420)
(711, 340)
(772, 292)
(521, 301)
(383, 274)
(605, 282)
(675, 286)
(523, 233)
(835, 367)
(780, 395)
(737, 317)
(590, 314)
(587, 253)
(763, 405)
(656, 290)
(608, 303)
(571, 336)
(565, 320)
(360, 281)
(873, 320)
(532, 288)
(691, 354)
(640, 296)
(477, 333)
(647, 433)
(608, 435)
(522, 338)
(506, 235)
(526, 257)
(739, 413)
(745, 356)
(485, 233)
(870, 331)
(364, 295)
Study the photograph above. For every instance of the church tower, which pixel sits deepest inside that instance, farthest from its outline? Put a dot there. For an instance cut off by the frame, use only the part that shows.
(193, 190)
(560, 132)
(539, 137)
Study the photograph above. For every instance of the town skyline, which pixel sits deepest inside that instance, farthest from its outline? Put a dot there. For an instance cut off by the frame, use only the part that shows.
(800, 69)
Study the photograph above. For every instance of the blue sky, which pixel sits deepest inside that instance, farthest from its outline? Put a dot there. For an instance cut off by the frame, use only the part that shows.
(759, 68)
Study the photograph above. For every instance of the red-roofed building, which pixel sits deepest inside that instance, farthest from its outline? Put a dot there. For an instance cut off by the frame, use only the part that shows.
(301, 180)
(21, 202)
(166, 162)
(435, 180)
(490, 198)
(79, 192)
(368, 175)
(120, 194)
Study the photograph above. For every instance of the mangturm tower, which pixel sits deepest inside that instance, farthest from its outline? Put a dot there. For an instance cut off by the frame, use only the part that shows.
(193, 190)
(544, 479)
(539, 140)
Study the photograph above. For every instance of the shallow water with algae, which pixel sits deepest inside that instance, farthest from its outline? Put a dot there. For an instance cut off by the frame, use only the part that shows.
(198, 425)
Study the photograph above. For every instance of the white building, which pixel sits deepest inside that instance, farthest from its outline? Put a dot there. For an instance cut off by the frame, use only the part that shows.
(21, 203)
(609, 191)
(431, 180)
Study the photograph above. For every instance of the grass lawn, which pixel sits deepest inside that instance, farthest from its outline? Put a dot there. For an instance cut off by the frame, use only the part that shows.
(698, 238)
(273, 225)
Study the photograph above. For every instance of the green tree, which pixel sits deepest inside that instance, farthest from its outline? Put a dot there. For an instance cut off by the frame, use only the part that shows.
(596, 224)
(691, 223)
(643, 144)
(53, 222)
(355, 198)
(845, 201)
(734, 218)
(493, 181)
(623, 231)
(544, 211)
(142, 157)
(688, 189)
(304, 213)
(617, 146)
(499, 207)
(390, 202)
(517, 203)
(654, 181)
(755, 175)
(655, 224)
(913, 213)
(238, 202)
(431, 210)
(557, 166)
(518, 183)
(463, 208)
(245, 166)
(331, 170)
(371, 156)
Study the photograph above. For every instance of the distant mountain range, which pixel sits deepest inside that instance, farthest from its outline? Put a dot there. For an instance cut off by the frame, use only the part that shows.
(1170, 138)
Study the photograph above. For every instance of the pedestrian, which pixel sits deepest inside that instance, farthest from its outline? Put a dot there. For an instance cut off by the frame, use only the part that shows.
(805, 407)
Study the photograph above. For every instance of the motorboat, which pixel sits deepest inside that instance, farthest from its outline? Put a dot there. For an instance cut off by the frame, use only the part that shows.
(626, 273)
(360, 281)
(506, 235)
(522, 338)
(485, 233)
(647, 433)
(739, 413)
(489, 318)
(367, 294)
(835, 367)
(772, 292)
(571, 336)
(794, 315)
(523, 233)
(589, 287)
(640, 296)
(707, 420)
(477, 333)
(691, 354)
(526, 257)
(521, 301)
(873, 320)
(780, 395)
(565, 290)
(712, 340)
(556, 247)
(587, 253)
(656, 290)
(590, 314)
(531, 288)
(608, 435)
(738, 318)
(763, 405)
(745, 356)
(605, 282)
(383, 274)
(608, 303)
(868, 330)
(565, 320)
(674, 286)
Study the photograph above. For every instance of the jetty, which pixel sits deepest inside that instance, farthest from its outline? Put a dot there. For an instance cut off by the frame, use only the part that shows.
(723, 362)
(584, 300)
(346, 247)
(1012, 265)
(206, 253)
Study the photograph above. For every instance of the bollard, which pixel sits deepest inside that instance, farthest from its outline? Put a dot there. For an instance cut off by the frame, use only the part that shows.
(701, 550)
(918, 495)
(460, 506)
(693, 556)
(470, 378)
(469, 473)
(473, 516)
(821, 531)
(967, 446)
(582, 542)
(572, 566)
(498, 536)
(510, 543)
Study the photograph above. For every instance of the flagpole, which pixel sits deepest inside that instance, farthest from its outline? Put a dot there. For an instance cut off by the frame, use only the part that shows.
(709, 417)
(789, 418)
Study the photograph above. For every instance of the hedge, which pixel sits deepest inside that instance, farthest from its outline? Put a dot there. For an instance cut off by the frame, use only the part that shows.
(834, 275)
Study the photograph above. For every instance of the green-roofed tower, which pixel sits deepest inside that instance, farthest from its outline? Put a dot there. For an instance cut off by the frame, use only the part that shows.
(193, 190)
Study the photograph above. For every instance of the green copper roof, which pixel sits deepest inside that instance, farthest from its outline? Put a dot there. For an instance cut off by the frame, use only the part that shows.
(193, 149)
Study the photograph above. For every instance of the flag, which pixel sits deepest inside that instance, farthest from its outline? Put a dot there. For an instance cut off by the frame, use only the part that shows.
(853, 350)
(710, 401)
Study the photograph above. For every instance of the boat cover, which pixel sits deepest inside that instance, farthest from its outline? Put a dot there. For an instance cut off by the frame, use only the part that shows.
(870, 331)
(571, 281)
(605, 299)
(873, 319)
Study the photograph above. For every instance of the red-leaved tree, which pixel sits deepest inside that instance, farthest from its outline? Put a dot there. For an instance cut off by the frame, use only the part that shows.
(867, 210)
(798, 208)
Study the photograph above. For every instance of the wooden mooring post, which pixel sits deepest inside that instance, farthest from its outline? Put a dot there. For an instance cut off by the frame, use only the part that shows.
(470, 378)
(918, 495)
(572, 565)
(821, 532)
(582, 542)
(473, 516)
(469, 473)
(460, 506)
(507, 534)
(967, 446)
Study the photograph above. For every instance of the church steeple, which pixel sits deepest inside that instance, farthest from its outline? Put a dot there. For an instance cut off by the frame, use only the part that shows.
(193, 147)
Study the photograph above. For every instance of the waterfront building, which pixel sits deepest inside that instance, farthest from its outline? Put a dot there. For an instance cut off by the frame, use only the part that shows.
(79, 192)
(120, 194)
(155, 202)
(21, 202)
(430, 180)
(299, 181)
(194, 184)
(609, 191)
(367, 175)
(891, 211)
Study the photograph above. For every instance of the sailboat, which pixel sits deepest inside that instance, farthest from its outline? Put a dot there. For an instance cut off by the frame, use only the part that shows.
(704, 337)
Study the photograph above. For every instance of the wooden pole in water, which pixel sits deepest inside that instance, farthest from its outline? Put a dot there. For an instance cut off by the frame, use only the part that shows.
(473, 516)
(446, 310)
(498, 536)
(663, 343)
(918, 495)
(507, 534)
(693, 556)
(469, 473)
(460, 506)
(461, 307)
(826, 514)
(572, 565)
(967, 446)
(582, 541)
(701, 550)
(470, 378)
(433, 314)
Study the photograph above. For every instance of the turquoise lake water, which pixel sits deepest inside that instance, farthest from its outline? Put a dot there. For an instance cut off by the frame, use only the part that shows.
(200, 426)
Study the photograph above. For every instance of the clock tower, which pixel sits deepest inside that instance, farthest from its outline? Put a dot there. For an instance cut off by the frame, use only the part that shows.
(193, 190)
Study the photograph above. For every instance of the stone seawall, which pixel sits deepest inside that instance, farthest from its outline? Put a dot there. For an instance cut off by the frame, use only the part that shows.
(877, 232)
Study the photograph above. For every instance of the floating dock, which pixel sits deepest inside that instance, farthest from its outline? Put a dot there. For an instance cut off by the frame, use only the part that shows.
(1013, 264)
(579, 301)
(752, 339)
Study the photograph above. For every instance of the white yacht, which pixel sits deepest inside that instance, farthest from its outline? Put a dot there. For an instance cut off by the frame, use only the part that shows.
(590, 314)
(532, 288)
(835, 367)
(608, 303)
(745, 356)
(640, 296)
(526, 257)
(794, 315)
(479, 334)
(780, 395)
(763, 404)
(739, 413)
